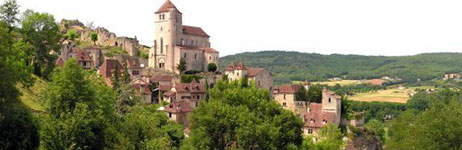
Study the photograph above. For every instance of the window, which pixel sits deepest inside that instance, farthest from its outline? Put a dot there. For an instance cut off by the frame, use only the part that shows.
(184, 55)
(195, 56)
(198, 97)
(161, 45)
(160, 16)
(330, 100)
(197, 104)
(210, 57)
(310, 131)
(284, 104)
(170, 115)
(284, 96)
(324, 121)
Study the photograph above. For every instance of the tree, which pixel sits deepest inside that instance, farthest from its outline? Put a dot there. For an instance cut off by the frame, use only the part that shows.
(18, 126)
(94, 37)
(212, 67)
(181, 66)
(42, 33)
(315, 93)
(78, 111)
(376, 127)
(9, 11)
(115, 80)
(330, 138)
(302, 94)
(71, 34)
(242, 118)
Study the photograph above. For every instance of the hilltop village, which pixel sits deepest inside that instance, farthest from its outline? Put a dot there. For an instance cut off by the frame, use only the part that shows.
(179, 67)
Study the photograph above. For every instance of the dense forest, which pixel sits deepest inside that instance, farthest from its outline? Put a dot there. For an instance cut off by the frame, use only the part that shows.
(295, 66)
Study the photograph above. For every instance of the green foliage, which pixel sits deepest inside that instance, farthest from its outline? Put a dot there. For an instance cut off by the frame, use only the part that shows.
(358, 88)
(9, 11)
(330, 138)
(94, 37)
(147, 128)
(422, 100)
(187, 78)
(376, 127)
(18, 127)
(42, 33)
(295, 66)
(438, 127)
(212, 67)
(315, 93)
(182, 65)
(302, 94)
(71, 34)
(242, 118)
(376, 110)
(75, 106)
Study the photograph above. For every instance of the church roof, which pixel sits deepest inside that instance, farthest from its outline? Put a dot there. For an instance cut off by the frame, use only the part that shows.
(166, 6)
(194, 31)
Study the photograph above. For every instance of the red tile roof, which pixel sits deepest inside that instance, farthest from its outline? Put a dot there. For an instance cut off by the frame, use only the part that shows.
(166, 6)
(170, 93)
(287, 88)
(60, 62)
(193, 87)
(233, 66)
(209, 50)
(252, 72)
(108, 67)
(132, 63)
(178, 106)
(158, 78)
(165, 87)
(317, 118)
(81, 55)
(194, 31)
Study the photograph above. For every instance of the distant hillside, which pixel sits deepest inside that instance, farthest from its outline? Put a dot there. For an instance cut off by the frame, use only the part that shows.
(296, 66)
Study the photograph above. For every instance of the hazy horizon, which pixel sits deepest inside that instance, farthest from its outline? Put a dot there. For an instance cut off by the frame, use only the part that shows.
(361, 27)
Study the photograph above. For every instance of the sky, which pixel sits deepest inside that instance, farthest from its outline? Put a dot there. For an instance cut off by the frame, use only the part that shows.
(365, 27)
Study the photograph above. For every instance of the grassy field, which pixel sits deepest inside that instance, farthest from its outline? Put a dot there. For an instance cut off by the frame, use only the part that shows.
(29, 96)
(332, 83)
(390, 95)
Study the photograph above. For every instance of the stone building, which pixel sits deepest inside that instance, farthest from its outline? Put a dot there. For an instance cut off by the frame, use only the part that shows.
(319, 115)
(175, 41)
(83, 57)
(262, 77)
(182, 99)
(285, 95)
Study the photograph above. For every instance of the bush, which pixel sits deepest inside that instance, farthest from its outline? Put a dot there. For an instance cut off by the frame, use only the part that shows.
(212, 67)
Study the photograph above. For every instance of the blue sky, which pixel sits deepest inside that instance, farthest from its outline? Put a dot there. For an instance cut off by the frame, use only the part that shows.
(366, 27)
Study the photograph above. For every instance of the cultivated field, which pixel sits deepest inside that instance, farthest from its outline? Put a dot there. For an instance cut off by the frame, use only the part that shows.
(332, 83)
(390, 95)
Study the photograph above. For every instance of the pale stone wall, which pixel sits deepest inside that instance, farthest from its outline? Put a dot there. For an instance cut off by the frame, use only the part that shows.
(194, 59)
(333, 106)
(236, 74)
(210, 58)
(264, 80)
(288, 99)
(196, 41)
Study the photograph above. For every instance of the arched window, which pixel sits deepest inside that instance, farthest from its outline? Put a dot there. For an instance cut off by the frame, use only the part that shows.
(184, 55)
(161, 45)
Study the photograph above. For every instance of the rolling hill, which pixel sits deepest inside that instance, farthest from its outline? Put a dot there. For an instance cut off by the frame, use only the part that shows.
(295, 66)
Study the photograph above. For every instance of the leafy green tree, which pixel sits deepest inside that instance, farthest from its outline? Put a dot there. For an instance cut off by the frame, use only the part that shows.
(315, 93)
(242, 118)
(376, 127)
(181, 66)
(302, 94)
(330, 138)
(438, 127)
(71, 34)
(244, 82)
(78, 112)
(115, 79)
(9, 11)
(18, 127)
(42, 33)
(147, 128)
(212, 67)
(94, 37)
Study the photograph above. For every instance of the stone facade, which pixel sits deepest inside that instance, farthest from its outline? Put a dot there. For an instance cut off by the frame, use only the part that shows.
(175, 41)
(285, 95)
(262, 77)
(319, 115)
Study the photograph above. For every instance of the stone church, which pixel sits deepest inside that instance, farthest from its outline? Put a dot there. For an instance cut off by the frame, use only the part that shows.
(175, 41)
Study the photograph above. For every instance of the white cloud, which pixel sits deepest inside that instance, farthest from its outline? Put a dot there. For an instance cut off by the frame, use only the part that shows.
(369, 27)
